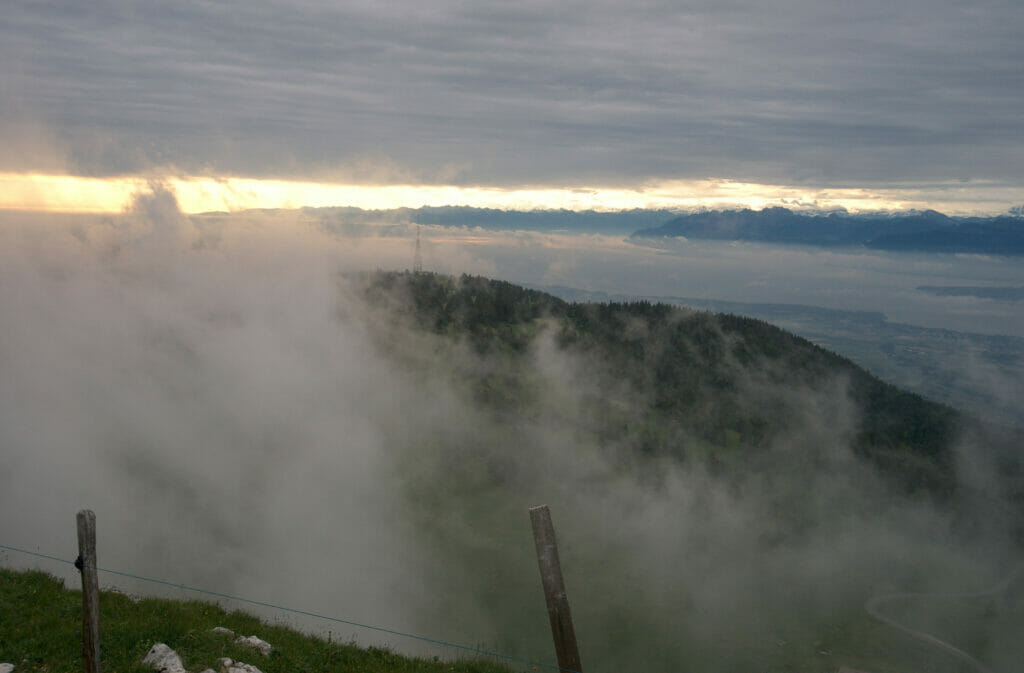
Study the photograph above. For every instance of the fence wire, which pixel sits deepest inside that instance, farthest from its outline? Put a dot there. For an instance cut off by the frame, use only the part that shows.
(347, 622)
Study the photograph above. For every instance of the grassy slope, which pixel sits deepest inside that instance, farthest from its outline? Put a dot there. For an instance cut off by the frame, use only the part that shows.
(40, 629)
(41, 619)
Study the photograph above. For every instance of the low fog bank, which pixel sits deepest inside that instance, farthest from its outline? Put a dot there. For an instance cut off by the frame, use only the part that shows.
(240, 420)
(194, 387)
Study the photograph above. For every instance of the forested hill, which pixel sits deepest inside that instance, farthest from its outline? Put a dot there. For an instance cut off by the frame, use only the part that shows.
(660, 381)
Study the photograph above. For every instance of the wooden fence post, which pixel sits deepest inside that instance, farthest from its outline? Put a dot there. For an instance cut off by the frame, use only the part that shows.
(90, 591)
(554, 590)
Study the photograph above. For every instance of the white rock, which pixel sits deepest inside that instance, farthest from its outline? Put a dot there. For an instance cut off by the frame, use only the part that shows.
(6, 668)
(261, 646)
(164, 660)
(134, 598)
(229, 666)
(221, 629)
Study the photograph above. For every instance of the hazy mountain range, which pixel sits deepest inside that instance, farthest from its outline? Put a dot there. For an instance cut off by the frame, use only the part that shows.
(927, 231)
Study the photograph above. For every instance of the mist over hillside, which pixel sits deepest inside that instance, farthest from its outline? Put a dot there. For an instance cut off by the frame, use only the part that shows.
(248, 407)
(208, 336)
(981, 374)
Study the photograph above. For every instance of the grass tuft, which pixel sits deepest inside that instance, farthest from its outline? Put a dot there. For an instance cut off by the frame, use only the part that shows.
(40, 630)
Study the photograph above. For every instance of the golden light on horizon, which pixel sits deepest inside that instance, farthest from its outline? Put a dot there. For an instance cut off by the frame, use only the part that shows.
(65, 193)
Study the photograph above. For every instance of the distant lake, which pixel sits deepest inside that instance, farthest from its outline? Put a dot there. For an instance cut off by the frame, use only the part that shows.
(849, 279)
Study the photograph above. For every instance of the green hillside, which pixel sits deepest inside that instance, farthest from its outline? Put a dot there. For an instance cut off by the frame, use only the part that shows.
(690, 385)
(41, 631)
(722, 481)
(727, 498)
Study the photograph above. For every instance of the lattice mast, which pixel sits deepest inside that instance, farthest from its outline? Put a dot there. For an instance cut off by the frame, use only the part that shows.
(417, 260)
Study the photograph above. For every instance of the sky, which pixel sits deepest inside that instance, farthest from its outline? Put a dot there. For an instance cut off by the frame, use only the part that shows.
(592, 104)
(211, 367)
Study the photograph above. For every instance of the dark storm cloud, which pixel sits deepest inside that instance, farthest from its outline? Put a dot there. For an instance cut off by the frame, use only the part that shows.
(780, 91)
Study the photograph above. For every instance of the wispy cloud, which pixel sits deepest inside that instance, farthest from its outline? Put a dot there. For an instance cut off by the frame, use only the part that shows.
(222, 399)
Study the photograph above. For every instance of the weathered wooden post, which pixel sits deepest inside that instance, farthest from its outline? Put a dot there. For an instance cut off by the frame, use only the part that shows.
(554, 590)
(90, 591)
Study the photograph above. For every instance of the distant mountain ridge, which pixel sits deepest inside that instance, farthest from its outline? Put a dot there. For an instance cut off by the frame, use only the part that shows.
(580, 221)
(921, 231)
(997, 292)
(926, 231)
(611, 222)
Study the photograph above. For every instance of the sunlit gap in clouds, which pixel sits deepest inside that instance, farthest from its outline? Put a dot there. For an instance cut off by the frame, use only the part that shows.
(66, 193)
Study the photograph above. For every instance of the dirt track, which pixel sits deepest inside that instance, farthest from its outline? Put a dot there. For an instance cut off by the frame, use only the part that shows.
(872, 607)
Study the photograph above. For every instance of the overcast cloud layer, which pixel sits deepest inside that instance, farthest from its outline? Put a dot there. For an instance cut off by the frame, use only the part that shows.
(773, 91)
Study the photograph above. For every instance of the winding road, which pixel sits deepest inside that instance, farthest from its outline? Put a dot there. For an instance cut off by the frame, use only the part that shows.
(872, 607)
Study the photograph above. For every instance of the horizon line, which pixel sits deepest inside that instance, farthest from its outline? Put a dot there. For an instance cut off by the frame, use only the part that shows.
(63, 193)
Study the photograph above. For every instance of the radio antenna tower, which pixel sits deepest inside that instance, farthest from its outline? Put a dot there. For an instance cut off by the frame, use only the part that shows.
(417, 260)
